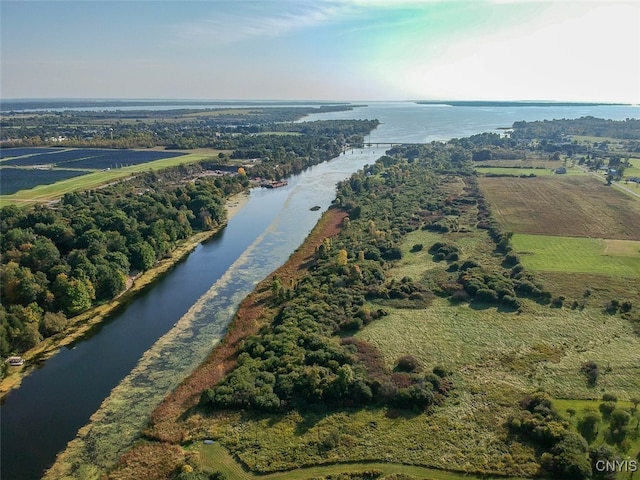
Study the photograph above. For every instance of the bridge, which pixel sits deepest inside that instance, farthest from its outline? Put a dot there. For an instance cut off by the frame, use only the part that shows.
(389, 144)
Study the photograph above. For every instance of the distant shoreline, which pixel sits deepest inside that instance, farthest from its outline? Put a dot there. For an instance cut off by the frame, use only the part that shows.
(18, 104)
(518, 103)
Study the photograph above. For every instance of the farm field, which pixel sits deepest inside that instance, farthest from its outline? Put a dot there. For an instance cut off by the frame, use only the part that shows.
(634, 169)
(514, 171)
(580, 206)
(13, 180)
(529, 162)
(578, 254)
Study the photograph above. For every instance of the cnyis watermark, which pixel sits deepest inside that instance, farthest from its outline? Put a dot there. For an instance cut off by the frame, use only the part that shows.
(617, 466)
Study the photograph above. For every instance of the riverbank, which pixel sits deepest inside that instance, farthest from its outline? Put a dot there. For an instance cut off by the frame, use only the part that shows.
(167, 426)
(80, 325)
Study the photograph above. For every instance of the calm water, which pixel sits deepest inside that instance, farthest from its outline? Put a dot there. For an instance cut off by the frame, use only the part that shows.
(409, 122)
(126, 366)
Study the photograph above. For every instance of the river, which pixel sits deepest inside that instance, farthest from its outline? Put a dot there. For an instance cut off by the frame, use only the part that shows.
(111, 380)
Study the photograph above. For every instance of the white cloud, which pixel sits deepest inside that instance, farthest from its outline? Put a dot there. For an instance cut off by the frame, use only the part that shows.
(276, 20)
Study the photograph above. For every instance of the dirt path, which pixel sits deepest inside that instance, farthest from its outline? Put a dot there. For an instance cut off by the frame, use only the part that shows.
(165, 423)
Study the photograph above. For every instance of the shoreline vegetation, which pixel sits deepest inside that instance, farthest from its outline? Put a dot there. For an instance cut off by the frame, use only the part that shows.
(422, 240)
(80, 325)
(252, 313)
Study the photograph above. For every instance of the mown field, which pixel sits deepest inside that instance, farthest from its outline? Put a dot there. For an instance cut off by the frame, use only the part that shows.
(579, 206)
(578, 254)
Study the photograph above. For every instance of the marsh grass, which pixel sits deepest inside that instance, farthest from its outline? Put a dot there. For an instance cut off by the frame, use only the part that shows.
(464, 437)
(216, 458)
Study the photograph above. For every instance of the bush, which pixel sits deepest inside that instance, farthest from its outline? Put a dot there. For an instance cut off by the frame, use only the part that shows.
(591, 371)
(607, 408)
(486, 295)
(408, 363)
(511, 259)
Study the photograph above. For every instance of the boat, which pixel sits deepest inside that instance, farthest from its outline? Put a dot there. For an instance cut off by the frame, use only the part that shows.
(277, 184)
(15, 361)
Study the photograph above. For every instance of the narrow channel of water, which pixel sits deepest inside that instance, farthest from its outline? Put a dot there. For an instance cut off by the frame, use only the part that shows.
(189, 308)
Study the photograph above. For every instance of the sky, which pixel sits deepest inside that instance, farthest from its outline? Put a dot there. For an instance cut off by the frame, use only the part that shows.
(353, 50)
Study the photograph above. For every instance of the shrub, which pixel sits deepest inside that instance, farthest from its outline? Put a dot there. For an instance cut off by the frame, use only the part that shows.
(591, 371)
(486, 295)
(511, 259)
(607, 408)
(408, 363)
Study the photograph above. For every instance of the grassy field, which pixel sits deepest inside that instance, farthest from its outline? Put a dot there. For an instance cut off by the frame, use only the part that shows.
(541, 347)
(634, 169)
(529, 162)
(216, 458)
(578, 254)
(580, 206)
(496, 358)
(514, 171)
(462, 438)
(47, 193)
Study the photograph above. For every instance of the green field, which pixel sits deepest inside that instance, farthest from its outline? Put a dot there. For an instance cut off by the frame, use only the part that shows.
(578, 254)
(216, 458)
(47, 193)
(634, 169)
(506, 352)
(513, 171)
(524, 171)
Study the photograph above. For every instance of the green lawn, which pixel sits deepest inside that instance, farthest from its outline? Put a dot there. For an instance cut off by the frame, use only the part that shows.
(578, 254)
(634, 169)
